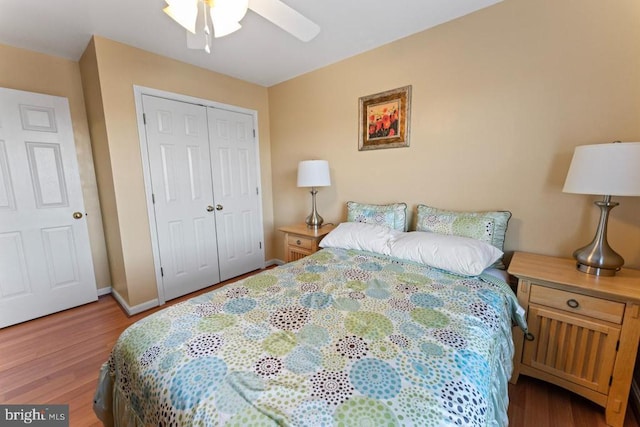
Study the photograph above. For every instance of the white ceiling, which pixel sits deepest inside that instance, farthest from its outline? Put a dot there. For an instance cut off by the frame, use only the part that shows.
(260, 52)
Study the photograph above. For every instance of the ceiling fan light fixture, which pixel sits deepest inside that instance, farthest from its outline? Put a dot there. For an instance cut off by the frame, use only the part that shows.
(222, 28)
(184, 12)
(226, 16)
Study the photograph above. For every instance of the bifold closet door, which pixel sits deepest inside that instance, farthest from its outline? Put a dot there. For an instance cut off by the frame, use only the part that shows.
(235, 184)
(180, 166)
(45, 255)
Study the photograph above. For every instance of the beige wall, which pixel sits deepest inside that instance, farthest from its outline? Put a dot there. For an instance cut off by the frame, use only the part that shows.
(102, 162)
(35, 72)
(500, 99)
(115, 68)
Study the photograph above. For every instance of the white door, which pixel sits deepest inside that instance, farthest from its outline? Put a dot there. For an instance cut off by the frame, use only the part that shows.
(235, 186)
(178, 150)
(45, 257)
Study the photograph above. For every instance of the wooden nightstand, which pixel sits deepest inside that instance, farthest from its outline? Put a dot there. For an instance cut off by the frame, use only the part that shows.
(583, 329)
(300, 241)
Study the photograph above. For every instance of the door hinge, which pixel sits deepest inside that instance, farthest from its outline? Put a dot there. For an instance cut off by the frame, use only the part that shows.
(610, 380)
(153, 198)
(144, 118)
(161, 272)
(257, 192)
(260, 244)
(254, 133)
(617, 345)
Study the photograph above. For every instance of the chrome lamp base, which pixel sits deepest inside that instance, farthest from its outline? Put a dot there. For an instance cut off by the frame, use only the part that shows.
(597, 271)
(314, 220)
(597, 257)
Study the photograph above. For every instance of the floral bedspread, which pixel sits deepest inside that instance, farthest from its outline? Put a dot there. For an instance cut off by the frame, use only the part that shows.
(340, 338)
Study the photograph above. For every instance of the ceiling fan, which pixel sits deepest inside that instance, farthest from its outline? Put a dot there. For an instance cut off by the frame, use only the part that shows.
(225, 17)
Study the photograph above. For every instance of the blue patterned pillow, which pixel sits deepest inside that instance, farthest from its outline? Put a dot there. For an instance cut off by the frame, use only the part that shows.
(393, 215)
(489, 227)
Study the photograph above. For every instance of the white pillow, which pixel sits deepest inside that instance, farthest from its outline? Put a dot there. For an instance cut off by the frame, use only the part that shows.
(361, 236)
(460, 255)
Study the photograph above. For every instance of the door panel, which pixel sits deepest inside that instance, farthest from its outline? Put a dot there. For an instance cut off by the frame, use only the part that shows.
(235, 181)
(178, 144)
(47, 175)
(38, 118)
(13, 266)
(60, 253)
(7, 200)
(45, 256)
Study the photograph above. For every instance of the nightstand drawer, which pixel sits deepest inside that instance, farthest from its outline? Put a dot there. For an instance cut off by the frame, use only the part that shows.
(300, 242)
(597, 308)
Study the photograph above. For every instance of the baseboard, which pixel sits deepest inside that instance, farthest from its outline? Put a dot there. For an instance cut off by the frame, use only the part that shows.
(273, 262)
(104, 291)
(634, 398)
(136, 308)
(154, 302)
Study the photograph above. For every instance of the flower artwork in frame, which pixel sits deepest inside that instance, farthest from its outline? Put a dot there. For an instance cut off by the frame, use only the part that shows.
(384, 119)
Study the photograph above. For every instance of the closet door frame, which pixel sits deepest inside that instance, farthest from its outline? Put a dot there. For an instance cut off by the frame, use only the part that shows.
(139, 91)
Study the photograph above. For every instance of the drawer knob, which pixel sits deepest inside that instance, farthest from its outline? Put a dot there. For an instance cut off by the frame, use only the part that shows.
(573, 303)
(298, 242)
(529, 336)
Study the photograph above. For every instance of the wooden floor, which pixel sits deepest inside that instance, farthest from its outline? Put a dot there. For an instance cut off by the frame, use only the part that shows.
(534, 403)
(56, 359)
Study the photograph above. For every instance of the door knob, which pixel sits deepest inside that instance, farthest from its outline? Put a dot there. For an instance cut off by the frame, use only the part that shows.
(219, 207)
(77, 215)
(209, 208)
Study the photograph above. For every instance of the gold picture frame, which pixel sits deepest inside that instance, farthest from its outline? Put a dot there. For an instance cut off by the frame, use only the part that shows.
(384, 119)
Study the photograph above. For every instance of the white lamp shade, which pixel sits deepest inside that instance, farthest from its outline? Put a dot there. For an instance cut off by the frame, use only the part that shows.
(313, 173)
(605, 169)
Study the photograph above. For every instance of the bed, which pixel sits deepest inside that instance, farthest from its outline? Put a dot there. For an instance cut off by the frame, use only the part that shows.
(351, 335)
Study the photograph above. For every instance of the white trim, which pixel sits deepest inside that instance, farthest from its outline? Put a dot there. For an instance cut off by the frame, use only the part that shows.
(138, 92)
(136, 309)
(146, 172)
(104, 291)
(271, 262)
(256, 137)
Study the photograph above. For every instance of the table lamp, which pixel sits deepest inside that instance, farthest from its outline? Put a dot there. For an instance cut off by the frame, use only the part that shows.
(314, 173)
(608, 170)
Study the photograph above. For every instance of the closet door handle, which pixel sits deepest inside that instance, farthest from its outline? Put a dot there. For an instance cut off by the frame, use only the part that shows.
(219, 207)
(209, 208)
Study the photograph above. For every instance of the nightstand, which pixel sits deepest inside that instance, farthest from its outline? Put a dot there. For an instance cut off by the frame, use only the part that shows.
(300, 241)
(583, 329)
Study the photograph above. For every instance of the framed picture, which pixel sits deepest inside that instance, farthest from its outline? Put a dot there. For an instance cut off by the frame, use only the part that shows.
(384, 119)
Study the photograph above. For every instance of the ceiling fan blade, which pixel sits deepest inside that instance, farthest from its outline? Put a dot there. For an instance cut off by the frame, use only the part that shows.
(286, 18)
